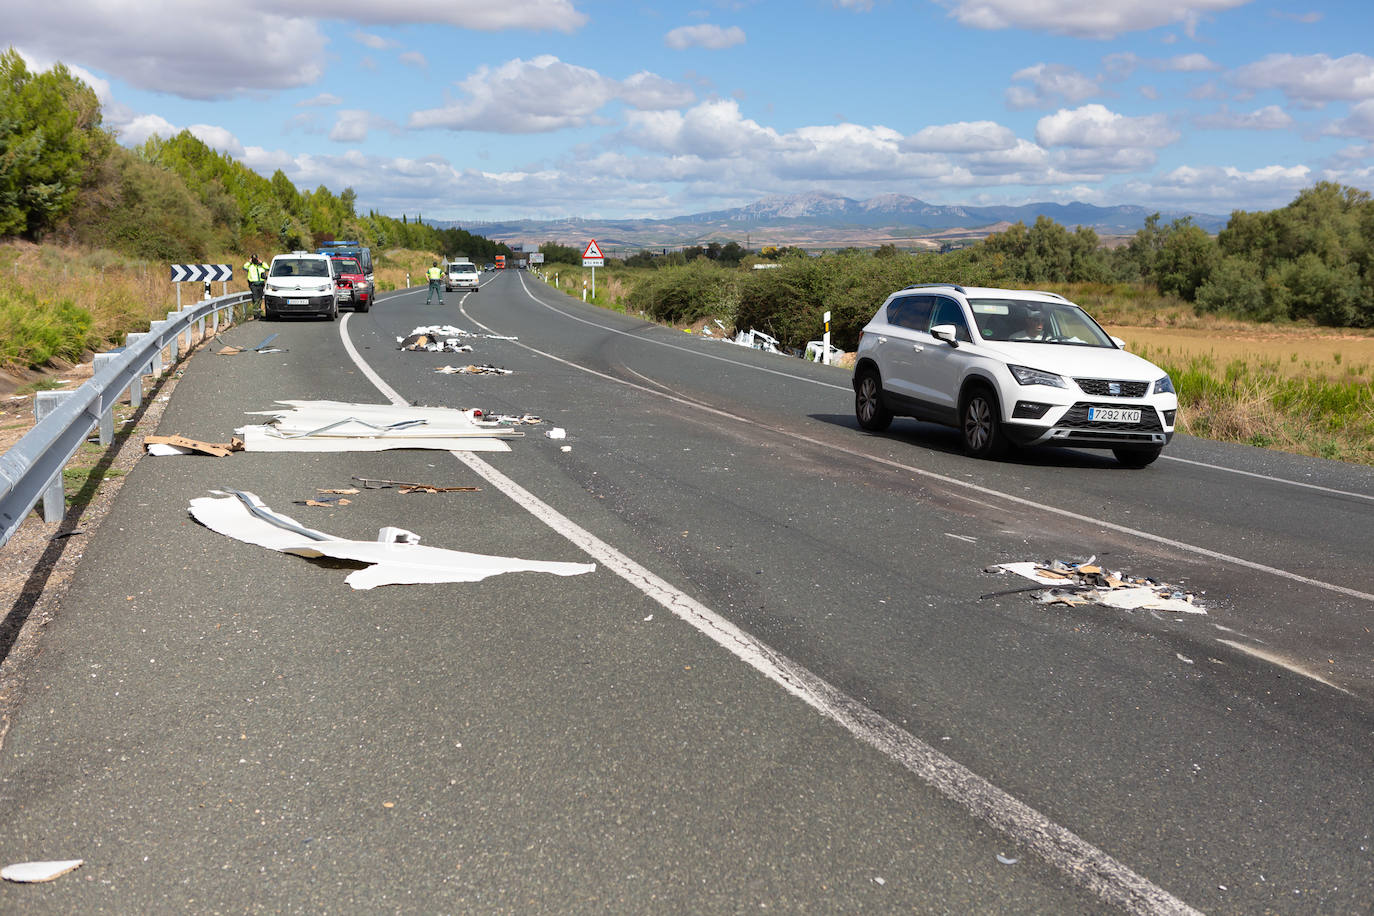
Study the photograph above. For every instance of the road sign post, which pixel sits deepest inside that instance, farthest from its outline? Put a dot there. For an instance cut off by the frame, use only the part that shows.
(201, 273)
(593, 258)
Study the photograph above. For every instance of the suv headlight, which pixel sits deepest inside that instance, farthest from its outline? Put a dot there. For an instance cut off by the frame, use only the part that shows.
(1164, 386)
(1027, 376)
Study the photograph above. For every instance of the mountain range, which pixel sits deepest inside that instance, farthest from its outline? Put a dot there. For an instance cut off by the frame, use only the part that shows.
(822, 220)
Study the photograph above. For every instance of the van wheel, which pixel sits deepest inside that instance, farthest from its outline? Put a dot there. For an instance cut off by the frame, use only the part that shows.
(980, 421)
(868, 403)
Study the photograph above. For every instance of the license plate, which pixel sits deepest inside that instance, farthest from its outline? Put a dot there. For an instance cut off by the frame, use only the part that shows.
(1113, 415)
(297, 301)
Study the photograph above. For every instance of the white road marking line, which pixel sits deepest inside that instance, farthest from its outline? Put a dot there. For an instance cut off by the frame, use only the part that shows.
(963, 484)
(1291, 483)
(1276, 659)
(1080, 861)
(800, 378)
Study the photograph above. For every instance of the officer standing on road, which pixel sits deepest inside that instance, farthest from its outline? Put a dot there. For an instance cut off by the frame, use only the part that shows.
(434, 274)
(257, 279)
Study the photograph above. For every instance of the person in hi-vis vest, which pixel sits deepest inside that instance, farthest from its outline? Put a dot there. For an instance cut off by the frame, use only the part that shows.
(257, 279)
(435, 275)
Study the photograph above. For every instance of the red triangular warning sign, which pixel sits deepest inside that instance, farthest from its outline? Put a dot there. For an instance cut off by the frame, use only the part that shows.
(593, 250)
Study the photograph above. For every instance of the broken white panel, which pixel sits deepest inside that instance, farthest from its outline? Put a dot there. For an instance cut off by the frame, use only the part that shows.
(395, 559)
(1029, 571)
(337, 418)
(165, 450)
(336, 426)
(38, 872)
(1143, 596)
(267, 439)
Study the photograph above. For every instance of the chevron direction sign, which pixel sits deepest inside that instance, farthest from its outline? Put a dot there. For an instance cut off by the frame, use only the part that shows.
(194, 273)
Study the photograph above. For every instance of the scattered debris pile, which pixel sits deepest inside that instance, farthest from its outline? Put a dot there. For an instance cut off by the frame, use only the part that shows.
(443, 338)
(395, 558)
(1086, 582)
(231, 350)
(487, 369)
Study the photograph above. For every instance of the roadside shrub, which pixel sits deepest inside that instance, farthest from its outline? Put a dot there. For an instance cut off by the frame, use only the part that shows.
(682, 295)
(34, 331)
(1236, 287)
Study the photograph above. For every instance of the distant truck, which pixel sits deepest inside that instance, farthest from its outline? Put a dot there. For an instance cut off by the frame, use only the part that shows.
(500, 262)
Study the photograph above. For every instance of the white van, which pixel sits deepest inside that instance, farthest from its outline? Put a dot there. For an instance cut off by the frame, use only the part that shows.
(461, 275)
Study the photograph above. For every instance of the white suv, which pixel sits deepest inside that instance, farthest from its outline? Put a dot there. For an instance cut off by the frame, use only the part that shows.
(300, 283)
(1010, 367)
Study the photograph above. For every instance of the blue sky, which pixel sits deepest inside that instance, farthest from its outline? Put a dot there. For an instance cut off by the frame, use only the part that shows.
(474, 109)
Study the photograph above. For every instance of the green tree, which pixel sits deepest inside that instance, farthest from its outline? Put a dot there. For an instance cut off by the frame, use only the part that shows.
(1185, 260)
(46, 122)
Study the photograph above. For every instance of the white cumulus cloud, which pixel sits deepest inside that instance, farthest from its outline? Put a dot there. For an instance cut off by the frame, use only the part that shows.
(1313, 78)
(1097, 126)
(961, 137)
(1360, 122)
(1084, 18)
(1270, 117)
(704, 36)
(543, 94)
(1050, 84)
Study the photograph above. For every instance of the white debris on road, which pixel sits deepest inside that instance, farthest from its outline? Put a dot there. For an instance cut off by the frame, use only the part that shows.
(335, 426)
(1086, 582)
(396, 558)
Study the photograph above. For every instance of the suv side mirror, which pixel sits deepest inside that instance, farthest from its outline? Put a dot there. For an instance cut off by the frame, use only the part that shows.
(945, 332)
(1119, 342)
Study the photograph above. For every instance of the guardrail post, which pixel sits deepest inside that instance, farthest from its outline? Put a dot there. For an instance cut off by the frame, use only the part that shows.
(107, 409)
(175, 342)
(136, 388)
(55, 494)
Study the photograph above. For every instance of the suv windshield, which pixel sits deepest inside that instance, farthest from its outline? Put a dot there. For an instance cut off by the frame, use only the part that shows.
(299, 267)
(1025, 321)
(345, 266)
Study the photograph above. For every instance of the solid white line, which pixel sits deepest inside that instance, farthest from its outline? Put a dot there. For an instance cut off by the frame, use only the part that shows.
(962, 484)
(1077, 859)
(801, 378)
(1291, 483)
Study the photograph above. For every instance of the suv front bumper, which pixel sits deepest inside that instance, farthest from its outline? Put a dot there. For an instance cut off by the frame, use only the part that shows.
(1069, 426)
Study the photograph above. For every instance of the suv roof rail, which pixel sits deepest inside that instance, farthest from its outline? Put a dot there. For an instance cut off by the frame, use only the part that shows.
(953, 286)
(1041, 292)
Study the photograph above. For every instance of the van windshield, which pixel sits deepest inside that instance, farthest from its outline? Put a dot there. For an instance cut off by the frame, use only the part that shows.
(299, 267)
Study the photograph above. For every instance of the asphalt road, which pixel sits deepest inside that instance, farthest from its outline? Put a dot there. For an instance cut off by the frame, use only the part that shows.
(781, 689)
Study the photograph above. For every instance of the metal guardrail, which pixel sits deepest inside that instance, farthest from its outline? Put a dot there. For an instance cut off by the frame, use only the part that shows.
(32, 469)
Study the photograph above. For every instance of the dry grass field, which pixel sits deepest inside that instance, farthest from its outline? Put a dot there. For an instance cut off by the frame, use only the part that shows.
(1297, 389)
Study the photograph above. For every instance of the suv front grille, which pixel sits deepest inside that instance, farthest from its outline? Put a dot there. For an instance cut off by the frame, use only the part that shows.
(1077, 417)
(1102, 388)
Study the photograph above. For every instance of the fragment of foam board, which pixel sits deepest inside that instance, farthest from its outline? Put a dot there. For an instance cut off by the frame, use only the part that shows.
(38, 872)
(394, 559)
